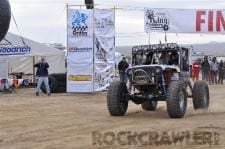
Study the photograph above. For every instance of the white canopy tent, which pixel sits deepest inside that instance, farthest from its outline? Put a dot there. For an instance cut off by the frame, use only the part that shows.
(24, 63)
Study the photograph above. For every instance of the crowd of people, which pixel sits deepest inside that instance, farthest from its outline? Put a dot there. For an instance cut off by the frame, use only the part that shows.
(212, 70)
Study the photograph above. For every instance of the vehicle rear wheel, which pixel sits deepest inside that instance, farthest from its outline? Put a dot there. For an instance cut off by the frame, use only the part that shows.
(200, 95)
(176, 100)
(116, 99)
(149, 105)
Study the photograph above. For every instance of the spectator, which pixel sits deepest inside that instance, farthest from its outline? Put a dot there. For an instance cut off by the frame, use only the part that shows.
(214, 70)
(205, 67)
(123, 65)
(221, 72)
(195, 70)
(42, 74)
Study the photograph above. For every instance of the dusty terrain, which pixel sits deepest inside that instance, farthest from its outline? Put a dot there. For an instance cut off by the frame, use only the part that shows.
(69, 121)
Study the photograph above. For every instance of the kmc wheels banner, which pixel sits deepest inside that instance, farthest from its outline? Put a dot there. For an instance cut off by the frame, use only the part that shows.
(184, 20)
(104, 48)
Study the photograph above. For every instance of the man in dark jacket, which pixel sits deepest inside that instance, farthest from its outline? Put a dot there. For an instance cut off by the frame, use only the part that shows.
(42, 74)
(123, 65)
(205, 69)
(221, 72)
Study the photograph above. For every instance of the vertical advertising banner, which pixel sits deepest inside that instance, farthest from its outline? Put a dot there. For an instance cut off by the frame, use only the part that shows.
(104, 48)
(91, 49)
(80, 51)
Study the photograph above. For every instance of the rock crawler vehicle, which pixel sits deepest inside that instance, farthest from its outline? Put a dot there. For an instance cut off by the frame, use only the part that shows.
(158, 73)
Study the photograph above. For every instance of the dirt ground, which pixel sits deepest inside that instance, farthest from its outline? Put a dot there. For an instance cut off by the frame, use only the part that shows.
(69, 121)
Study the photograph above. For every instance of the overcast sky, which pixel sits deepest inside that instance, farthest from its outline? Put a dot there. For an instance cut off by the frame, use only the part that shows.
(45, 20)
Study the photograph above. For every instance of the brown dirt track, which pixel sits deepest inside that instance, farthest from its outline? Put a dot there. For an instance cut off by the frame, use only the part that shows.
(66, 121)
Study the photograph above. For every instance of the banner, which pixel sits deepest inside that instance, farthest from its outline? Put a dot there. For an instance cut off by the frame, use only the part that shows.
(80, 23)
(184, 20)
(80, 51)
(80, 78)
(104, 75)
(14, 50)
(91, 49)
(104, 48)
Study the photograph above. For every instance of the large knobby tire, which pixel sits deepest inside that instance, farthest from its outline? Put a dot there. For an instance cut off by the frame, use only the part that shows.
(61, 82)
(116, 99)
(53, 84)
(5, 16)
(176, 100)
(200, 95)
(149, 105)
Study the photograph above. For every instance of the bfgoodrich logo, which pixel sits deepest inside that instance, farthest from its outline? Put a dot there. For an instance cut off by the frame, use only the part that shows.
(79, 24)
(157, 20)
(75, 49)
(17, 50)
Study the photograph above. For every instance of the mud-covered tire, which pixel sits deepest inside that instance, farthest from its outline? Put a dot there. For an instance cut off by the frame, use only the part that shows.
(200, 95)
(116, 100)
(149, 105)
(53, 84)
(176, 100)
(5, 16)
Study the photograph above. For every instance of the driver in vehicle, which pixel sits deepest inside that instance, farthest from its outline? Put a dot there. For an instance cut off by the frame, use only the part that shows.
(174, 58)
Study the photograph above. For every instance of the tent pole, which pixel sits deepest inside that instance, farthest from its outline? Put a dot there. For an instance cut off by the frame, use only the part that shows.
(67, 46)
(93, 73)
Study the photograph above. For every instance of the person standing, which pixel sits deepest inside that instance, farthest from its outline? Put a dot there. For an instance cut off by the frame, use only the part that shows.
(214, 70)
(205, 67)
(195, 70)
(123, 65)
(221, 72)
(42, 74)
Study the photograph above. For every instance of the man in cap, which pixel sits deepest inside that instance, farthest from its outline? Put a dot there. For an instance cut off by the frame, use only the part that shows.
(42, 74)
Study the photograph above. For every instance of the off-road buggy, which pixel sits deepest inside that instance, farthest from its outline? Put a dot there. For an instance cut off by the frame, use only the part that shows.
(158, 73)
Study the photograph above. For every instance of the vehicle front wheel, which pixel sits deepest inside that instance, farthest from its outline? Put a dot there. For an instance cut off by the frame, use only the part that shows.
(176, 100)
(116, 99)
